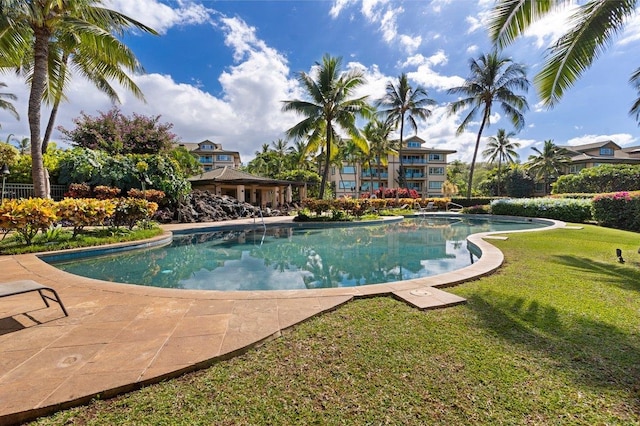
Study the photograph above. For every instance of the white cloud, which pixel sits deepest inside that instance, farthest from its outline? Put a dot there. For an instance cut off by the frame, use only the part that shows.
(159, 16)
(549, 29)
(426, 76)
(631, 32)
(471, 50)
(338, 6)
(479, 22)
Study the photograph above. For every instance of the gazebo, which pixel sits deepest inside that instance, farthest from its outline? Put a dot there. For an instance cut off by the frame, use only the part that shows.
(257, 190)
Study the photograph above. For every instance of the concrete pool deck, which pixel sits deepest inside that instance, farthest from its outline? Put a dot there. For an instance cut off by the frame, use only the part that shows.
(119, 337)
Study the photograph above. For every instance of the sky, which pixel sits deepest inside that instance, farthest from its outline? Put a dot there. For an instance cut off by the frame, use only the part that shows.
(220, 70)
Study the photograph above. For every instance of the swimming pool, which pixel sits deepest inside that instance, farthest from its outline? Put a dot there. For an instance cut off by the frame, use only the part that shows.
(286, 257)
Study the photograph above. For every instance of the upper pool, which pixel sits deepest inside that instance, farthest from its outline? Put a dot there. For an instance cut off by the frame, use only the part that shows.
(286, 257)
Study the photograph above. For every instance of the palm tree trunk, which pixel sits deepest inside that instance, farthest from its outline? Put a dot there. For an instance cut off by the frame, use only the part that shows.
(41, 53)
(401, 177)
(475, 152)
(325, 173)
(499, 167)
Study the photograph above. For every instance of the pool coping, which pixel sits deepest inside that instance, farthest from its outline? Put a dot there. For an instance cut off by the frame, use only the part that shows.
(120, 337)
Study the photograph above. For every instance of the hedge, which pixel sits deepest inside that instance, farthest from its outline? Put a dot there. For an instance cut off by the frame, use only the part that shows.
(619, 210)
(565, 209)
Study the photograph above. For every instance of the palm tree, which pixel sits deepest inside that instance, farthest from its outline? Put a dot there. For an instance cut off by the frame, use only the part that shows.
(500, 148)
(280, 151)
(24, 145)
(330, 103)
(6, 105)
(549, 162)
(298, 156)
(377, 133)
(493, 79)
(39, 37)
(404, 103)
(635, 82)
(594, 24)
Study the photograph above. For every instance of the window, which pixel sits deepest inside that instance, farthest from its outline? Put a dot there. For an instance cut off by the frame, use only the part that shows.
(413, 144)
(347, 184)
(435, 185)
(366, 186)
(348, 170)
(436, 170)
(206, 147)
(606, 151)
(205, 159)
(435, 157)
(223, 157)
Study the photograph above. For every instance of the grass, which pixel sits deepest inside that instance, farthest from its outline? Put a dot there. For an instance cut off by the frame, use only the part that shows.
(65, 240)
(551, 338)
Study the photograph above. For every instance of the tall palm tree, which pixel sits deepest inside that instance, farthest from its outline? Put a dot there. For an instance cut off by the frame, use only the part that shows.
(402, 103)
(24, 145)
(35, 32)
(280, 153)
(298, 156)
(377, 132)
(594, 24)
(635, 82)
(493, 79)
(501, 149)
(549, 162)
(331, 103)
(6, 104)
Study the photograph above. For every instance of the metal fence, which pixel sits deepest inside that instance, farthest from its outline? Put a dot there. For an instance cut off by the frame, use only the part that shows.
(25, 190)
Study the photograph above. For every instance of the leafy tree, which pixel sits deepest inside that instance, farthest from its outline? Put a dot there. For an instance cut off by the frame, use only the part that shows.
(298, 175)
(493, 79)
(115, 133)
(458, 174)
(297, 156)
(404, 103)
(188, 163)
(81, 165)
(330, 104)
(518, 183)
(6, 104)
(548, 163)
(33, 34)
(8, 154)
(501, 149)
(600, 179)
(593, 26)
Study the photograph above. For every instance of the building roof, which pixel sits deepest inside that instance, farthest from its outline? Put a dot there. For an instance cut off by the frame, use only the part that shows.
(234, 176)
(590, 146)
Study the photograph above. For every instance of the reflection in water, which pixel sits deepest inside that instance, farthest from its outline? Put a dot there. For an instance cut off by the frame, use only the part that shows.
(288, 258)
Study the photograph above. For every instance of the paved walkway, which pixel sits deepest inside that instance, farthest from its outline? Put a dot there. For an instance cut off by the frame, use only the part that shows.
(118, 337)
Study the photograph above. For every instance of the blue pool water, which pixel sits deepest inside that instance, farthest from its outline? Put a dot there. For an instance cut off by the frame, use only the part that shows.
(291, 258)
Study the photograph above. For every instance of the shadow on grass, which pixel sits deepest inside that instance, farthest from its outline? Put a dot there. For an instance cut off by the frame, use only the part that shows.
(618, 275)
(589, 352)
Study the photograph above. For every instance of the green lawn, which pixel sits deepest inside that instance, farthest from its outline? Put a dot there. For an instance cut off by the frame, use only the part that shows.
(551, 338)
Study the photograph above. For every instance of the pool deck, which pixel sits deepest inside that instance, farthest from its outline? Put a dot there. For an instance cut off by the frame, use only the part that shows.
(119, 337)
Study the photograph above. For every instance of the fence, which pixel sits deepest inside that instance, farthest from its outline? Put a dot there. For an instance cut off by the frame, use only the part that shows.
(25, 190)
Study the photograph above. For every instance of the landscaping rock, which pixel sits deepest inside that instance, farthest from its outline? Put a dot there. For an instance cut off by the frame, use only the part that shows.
(204, 206)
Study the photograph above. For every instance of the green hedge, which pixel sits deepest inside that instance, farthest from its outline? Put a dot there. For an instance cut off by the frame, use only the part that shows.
(565, 209)
(602, 179)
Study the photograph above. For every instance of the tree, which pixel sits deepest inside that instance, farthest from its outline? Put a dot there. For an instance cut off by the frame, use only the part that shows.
(548, 163)
(458, 174)
(594, 24)
(493, 79)
(6, 105)
(500, 148)
(116, 133)
(635, 82)
(402, 103)
(33, 34)
(377, 133)
(330, 104)
(24, 146)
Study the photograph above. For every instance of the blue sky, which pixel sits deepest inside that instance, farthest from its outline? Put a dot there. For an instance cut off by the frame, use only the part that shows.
(220, 70)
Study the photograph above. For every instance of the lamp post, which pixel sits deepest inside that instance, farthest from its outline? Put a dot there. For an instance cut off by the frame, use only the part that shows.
(5, 172)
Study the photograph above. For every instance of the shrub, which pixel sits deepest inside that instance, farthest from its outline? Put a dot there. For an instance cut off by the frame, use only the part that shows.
(81, 212)
(79, 190)
(605, 178)
(102, 192)
(149, 195)
(27, 216)
(130, 210)
(618, 210)
(478, 209)
(565, 209)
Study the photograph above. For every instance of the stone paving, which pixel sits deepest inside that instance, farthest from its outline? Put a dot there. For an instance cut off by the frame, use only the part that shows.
(119, 337)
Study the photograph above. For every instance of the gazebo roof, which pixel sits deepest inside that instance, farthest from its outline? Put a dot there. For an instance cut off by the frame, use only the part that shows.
(234, 176)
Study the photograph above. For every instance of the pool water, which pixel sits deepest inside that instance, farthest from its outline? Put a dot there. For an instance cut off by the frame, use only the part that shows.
(291, 258)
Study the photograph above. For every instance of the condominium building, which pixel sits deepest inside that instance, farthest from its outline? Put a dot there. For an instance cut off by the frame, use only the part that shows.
(597, 153)
(211, 155)
(425, 170)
